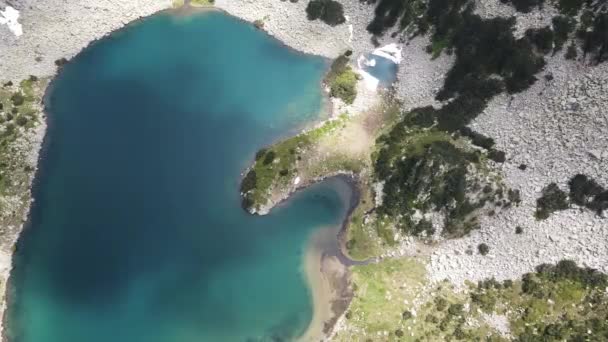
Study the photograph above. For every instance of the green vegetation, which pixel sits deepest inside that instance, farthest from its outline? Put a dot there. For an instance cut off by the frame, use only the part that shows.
(477, 139)
(277, 166)
(552, 200)
(342, 80)
(586, 192)
(542, 38)
(561, 302)
(430, 170)
(19, 114)
(329, 11)
(595, 38)
(569, 7)
(483, 249)
(562, 27)
(571, 52)
(388, 12)
(345, 86)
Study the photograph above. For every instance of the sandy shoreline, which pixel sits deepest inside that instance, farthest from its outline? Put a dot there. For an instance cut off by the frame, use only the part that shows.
(326, 268)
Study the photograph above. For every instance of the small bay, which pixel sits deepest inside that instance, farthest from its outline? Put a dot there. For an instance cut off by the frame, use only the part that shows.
(137, 233)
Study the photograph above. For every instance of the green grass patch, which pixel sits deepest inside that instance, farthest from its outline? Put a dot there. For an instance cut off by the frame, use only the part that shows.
(276, 165)
(560, 302)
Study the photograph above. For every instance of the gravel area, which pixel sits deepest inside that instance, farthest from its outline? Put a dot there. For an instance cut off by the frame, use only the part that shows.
(536, 18)
(54, 29)
(419, 76)
(557, 128)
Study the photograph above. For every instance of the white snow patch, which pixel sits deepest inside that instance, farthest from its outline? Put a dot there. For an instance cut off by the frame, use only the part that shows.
(9, 17)
(391, 51)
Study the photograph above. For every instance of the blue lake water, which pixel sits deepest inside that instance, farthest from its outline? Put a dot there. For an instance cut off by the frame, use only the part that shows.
(384, 70)
(137, 233)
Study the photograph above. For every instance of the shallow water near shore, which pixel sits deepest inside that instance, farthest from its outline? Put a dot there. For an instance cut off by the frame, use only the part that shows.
(137, 233)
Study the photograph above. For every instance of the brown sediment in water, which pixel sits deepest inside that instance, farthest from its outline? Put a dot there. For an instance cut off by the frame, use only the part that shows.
(327, 268)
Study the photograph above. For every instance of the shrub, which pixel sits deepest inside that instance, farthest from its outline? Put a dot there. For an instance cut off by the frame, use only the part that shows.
(61, 62)
(21, 120)
(541, 38)
(562, 26)
(249, 182)
(399, 333)
(514, 196)
(440, 303)
(18, 99)
(519, 230)
(269, 157)
(551, 200)
(497, 156)
(571, 52)
(455, 309)
(260, 153)
(329, 11)
(388, 12)
(483, 249)
(587, 192)
(596, 39)
(407, 315)
(344, 86)
(477, 139)
(570, 7)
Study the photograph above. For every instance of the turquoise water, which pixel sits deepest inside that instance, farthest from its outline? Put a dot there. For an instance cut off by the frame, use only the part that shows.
(137, 232)
(385, 70)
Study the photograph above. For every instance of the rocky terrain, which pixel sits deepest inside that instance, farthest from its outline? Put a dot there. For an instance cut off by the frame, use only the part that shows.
(557, 129)
(553, 130)
(55, 29)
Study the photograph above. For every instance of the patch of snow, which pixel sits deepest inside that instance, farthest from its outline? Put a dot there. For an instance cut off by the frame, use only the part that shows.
(391, 51)
(10, 17)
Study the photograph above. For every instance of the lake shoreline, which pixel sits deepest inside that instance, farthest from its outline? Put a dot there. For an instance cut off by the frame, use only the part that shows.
(39, 151)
